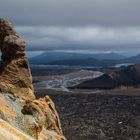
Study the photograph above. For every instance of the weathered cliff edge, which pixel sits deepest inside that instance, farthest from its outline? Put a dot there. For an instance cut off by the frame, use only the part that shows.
(22, 116)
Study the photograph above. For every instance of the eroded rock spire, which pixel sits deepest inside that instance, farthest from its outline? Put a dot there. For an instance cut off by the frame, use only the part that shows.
(34, 118)
(15, 76)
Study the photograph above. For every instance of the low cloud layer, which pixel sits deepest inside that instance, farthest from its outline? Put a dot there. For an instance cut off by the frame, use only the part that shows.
(102, 25)
(73, 38)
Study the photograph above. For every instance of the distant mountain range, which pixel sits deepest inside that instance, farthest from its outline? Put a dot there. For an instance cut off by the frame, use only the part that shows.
(133, 59)
(51, 57)
(86, 62)
(129, 76)
(80, 59)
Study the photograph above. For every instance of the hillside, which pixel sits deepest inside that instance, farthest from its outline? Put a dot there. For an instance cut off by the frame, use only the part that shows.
(129, 76)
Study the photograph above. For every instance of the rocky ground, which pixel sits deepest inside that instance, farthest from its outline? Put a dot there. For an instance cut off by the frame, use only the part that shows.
(102, 116)
(93, 114)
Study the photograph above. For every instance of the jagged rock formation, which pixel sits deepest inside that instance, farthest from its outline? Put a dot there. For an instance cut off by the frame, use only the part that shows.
(15, 75)
(22, 116)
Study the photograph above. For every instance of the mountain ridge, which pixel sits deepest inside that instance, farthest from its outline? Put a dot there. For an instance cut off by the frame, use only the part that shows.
(52, 56)
(75, 59)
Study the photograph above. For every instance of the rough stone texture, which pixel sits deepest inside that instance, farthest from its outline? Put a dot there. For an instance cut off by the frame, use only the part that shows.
(6, 129)
(21, 115)
(15, 76)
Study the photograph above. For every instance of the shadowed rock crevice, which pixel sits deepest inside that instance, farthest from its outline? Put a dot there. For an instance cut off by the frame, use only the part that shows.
(28, 117)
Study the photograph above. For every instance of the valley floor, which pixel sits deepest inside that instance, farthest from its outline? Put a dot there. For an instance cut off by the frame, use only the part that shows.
(107, 115)
(90, 114)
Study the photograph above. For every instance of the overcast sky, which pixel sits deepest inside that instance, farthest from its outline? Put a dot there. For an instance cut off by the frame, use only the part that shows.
(98, 25)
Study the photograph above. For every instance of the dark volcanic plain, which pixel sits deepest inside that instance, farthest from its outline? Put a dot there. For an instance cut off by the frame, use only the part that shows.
(98, 116)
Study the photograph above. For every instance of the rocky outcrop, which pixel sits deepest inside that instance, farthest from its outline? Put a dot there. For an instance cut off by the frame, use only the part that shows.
(15, 76)
(22, 116)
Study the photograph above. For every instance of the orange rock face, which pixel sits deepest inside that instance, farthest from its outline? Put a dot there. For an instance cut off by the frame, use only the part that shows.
(19, 109)
(15, 76)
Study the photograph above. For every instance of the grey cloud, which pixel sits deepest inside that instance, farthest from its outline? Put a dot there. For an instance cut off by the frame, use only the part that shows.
(101, 25)
(72, 12)
(88, 37)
